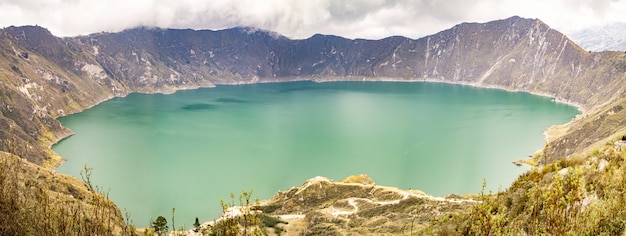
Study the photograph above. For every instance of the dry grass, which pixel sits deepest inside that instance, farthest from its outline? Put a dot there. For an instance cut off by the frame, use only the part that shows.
(571, 196)
(36, 201)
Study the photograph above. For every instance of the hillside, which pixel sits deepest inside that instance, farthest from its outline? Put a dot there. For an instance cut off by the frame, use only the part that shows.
(43, 76)
(37, 201)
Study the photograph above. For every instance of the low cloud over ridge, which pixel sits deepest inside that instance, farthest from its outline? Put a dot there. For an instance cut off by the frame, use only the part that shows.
(300, 19)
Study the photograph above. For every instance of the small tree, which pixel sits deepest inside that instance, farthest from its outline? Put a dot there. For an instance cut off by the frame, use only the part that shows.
(245, 223)
(173, 225)
(85, 175)
(196, 225)
(160, 225)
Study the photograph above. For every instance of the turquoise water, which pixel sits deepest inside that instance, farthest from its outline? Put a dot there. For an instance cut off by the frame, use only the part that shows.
(191, 149)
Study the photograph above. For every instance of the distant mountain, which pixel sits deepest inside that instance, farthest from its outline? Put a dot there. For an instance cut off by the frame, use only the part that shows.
(514, 53)
(610, 37)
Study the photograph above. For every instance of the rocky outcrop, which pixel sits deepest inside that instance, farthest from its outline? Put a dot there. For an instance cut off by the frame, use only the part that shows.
(324, 206)
(355, 205)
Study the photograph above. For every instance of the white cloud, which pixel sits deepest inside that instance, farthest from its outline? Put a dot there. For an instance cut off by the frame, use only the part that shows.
(301, 19)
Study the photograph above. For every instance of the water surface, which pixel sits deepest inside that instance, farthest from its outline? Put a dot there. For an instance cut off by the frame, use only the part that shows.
(191, 149)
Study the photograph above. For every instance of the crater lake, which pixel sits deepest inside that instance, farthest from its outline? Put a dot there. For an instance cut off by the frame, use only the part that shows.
(191, 149)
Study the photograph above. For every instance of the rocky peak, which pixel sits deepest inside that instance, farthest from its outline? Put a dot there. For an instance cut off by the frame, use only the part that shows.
(36, 38)
(29, 33)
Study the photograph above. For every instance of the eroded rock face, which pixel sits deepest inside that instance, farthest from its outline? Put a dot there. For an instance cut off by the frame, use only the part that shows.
(324, 206)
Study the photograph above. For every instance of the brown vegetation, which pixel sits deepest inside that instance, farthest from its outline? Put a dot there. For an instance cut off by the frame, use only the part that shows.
(582, 195)
(37, 201)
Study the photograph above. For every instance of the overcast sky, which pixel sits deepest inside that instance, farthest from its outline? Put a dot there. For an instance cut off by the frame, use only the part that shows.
(372, 19)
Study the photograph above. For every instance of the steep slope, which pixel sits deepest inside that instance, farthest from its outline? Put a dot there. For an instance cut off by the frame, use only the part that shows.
(579, 195)
(38, 201)
(44, 77)
(590, 132)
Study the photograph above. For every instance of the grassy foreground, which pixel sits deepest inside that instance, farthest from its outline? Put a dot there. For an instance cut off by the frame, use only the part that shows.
(579, 195)
(36, 201)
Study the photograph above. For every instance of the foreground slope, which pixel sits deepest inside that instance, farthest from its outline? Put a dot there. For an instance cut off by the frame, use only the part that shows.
(582, 195)
(36, 201)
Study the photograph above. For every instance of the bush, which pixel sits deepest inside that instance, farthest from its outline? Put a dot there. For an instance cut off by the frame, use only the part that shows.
(160, 225)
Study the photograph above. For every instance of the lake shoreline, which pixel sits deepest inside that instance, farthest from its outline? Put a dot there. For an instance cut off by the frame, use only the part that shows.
(316, 79)
(54, 165)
